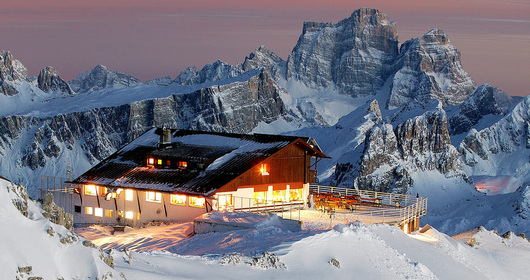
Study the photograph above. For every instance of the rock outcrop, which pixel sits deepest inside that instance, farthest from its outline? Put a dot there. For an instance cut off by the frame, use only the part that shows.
(49, 80)
(429, 67)
(11, 73)
(216, 71)
(102, 77)
(355, 55)
(263, 58)
(485, 100)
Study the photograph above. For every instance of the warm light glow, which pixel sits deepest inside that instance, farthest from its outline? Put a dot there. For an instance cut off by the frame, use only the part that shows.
(159, 161)
(89, 210)
(197, 201)
(90, 190)
(260, 197)
(264, 170)
(98, 212)
(129, 195)
(153, 197)
(295, 194)
(224, 201)
(108, 213)
(406, 228)
(178, 199)
(151, 161)
(129, 215)
(183, 164)
(118, 191)
(278, 195)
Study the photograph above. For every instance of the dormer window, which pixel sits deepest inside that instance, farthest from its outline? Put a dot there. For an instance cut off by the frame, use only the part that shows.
(264, 170)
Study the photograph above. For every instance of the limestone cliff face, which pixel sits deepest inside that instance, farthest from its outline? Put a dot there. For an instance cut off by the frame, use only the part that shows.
(391, 155)
(485, 100)
(11, 73)
(102, 77)
(354, 55)
(263, 58)
(49, 80)
(429, 67)
(216, 71)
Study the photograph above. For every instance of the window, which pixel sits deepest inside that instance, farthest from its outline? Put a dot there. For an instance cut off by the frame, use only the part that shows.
(129, 215)
(197, 201)
(260, 197)
(159, 161)
(89, 210)
(264, 170)
(153, 197)
(177, 199)
(98, 212)
(168, 162)
(90, 190)
(225, 201)
(108, 213)
(150, 161)
(183, 164)
(278, 195)
(295, 194)
(77, 208)
(129, 195)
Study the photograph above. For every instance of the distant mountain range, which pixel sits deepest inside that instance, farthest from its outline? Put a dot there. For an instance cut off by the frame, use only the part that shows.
(401, 118)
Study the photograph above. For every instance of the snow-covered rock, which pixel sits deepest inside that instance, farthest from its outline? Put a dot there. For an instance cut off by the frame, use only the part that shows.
(216, 71)
(263, 58)
(354, 55)
(429, 67)
(102, 77)
(49, 80)
(12, 74)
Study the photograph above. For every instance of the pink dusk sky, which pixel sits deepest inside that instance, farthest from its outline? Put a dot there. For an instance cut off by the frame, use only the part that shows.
(151, 39)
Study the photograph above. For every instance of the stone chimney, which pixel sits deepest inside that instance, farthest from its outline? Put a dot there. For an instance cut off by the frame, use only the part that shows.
(165, 136)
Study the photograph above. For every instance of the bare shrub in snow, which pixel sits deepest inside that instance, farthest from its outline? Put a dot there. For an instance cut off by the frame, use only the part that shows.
(267, 260)
(334, 262)
(231, 259)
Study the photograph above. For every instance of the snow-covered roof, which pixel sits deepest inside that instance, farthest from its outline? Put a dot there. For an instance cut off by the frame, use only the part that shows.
(213, 160)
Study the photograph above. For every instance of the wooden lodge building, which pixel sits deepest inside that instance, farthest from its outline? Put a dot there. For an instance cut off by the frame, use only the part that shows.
(177, 175)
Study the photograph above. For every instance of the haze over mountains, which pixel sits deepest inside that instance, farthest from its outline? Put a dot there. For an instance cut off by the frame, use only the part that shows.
(394, 117)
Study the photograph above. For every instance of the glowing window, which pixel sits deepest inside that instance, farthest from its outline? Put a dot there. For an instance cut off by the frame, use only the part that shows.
(278, 195)
(89, 210)
(90, 190)
(260, 197)
(159, 161)
(129, 215)
(183, 164)
(178, 199)
(129, 195)
(168, 162)
(153, 197)
(295, 194)
(108, 213)
(225, 200)
(264, 170)
(150, 161)
(98, 212)
(197, 201)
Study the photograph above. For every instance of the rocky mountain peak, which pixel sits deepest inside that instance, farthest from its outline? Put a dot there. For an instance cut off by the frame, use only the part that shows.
(102, 77)
(261, 58)
(11, 72)
(49, 80)
(216, 71)
(331, 54)
(429, 67)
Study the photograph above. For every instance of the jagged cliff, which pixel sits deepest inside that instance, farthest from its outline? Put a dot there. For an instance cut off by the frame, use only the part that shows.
(354, 55)
(11, 73)
(49, 80)
(102, 77)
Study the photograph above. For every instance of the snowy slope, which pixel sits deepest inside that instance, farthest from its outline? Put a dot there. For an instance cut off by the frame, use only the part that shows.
(32, 246)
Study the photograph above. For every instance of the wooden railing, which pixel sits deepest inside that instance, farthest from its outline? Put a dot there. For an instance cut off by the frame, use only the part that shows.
(395, 208)
(55, 184)
(284, 209)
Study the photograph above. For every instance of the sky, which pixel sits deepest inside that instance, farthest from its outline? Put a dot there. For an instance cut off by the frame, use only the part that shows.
(151, 39)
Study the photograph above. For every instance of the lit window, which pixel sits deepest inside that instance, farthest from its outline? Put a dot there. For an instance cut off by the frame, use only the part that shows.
(118, 191)
(178, 199)
(183, 164)
(197, 201)
(129, 215)
(225, 200)
(260, 197)
(90, 190)
(129, 195)
(98, 212)
(278, 195)
(89, 210)
(108, 213)
(295, 194)
(153, 197)
(151, 161)
(168, 162)
(159, 161)
(264, 169)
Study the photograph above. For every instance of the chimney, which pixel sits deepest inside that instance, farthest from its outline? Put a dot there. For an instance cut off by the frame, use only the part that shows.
(165, 137)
